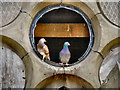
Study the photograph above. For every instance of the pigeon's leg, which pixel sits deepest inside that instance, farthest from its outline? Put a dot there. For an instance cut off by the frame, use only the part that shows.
(66, 64)
(61, 64)
(43, 58)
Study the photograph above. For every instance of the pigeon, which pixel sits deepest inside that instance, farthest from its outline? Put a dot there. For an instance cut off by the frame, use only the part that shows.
(64, 54)
(43, 49)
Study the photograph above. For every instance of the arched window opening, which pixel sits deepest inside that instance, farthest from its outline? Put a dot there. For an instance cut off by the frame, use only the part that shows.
(58, 24)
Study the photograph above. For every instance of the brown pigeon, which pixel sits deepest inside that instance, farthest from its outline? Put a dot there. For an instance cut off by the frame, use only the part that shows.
(43, 49)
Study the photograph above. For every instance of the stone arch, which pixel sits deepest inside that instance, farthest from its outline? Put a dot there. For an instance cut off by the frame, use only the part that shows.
(22, 53)
(64, 80)
(112, 44)
(110, 53)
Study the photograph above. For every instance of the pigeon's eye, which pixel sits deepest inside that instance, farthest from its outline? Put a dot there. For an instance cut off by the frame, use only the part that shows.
(67, 26)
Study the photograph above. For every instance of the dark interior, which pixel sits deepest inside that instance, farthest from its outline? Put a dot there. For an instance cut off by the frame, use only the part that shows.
(78, 44)
(63, 88)
(77, 48)
(61, 16)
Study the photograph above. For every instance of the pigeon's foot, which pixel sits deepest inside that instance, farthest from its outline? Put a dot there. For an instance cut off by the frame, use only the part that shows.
(42, 60)
(61, 64)
(66, 64)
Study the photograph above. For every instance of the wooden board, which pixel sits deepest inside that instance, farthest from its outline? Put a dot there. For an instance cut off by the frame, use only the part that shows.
(61, 30)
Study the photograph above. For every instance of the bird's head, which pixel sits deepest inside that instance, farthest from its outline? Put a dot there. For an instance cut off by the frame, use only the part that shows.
(42, 40)
(67, 44)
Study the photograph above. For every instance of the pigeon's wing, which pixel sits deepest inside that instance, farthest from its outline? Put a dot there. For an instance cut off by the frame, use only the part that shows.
(46, 50)
(64, 56)
(40, 50)
(61, 55)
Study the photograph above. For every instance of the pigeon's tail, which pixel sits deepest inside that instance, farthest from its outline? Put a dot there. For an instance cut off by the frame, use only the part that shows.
(48, 57)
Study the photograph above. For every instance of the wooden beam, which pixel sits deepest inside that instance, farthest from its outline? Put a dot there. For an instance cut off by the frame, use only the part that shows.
(61, 30)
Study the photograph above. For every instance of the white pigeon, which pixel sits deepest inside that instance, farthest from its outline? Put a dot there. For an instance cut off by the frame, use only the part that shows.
(64, 54)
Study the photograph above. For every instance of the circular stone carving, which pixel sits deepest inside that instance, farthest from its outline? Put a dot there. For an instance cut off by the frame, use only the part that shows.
(10, 11)
(68, 7)
(110, 11)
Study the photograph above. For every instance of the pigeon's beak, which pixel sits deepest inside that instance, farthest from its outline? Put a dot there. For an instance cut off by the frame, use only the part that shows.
(45, 41)
(68, 44)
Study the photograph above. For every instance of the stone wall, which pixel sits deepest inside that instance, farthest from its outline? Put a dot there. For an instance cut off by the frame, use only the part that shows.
(13, 70)
(21, 67)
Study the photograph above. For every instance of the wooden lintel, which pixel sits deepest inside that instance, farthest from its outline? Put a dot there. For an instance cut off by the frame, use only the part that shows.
(61, 30)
